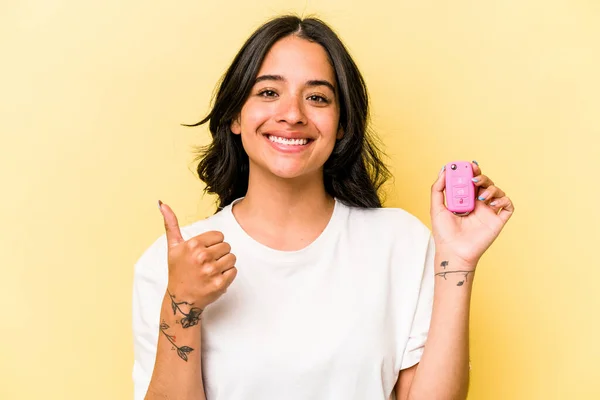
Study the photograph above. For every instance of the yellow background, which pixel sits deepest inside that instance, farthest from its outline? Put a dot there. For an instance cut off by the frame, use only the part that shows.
(91, 98)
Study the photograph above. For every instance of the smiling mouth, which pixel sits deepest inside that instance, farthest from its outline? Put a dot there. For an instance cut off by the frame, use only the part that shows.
(289, 142)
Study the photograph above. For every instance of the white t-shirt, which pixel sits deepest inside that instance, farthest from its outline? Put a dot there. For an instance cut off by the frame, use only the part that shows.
(336, 320)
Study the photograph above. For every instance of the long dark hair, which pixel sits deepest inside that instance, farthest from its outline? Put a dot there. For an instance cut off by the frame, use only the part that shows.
(354, 172)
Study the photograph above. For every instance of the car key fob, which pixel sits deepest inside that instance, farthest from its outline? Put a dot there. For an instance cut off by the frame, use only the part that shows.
(460, 190)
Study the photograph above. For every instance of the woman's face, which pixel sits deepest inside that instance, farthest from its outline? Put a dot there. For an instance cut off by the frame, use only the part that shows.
(290, 121)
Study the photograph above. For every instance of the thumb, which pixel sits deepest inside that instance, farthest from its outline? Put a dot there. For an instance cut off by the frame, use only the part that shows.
(437, 193)
(171, 225)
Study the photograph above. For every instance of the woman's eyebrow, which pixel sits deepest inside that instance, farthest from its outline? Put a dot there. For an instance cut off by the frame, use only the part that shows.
(321, 82)
(310, 83)
(269, 78)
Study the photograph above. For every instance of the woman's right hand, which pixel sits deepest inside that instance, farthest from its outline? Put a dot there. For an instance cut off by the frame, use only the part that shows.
(200, 269)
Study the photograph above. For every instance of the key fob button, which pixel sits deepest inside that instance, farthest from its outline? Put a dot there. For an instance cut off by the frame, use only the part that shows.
(461, 191)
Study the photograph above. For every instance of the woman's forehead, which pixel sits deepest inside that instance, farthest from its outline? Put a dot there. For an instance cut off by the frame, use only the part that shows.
(295, 58)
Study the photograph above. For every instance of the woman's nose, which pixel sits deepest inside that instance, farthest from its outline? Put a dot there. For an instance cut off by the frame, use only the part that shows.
(291, 110)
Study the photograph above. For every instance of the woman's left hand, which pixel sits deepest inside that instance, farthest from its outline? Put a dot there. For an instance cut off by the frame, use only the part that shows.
(468, 237)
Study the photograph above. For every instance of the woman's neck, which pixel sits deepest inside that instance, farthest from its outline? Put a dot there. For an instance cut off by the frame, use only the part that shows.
(285, 214)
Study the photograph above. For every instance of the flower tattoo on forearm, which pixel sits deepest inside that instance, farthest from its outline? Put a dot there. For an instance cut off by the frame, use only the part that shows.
(190, 318)
(182, 351)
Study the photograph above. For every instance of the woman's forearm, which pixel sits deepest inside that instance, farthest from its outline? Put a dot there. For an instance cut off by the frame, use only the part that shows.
(178, 368)
(443, 372)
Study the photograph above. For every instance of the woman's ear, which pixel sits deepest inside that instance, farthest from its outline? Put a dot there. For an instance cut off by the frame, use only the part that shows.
(340, 133)
(235, 126)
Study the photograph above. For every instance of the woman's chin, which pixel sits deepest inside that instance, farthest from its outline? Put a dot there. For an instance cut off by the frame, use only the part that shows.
(291, 173)
(286, 169)
(288, 174)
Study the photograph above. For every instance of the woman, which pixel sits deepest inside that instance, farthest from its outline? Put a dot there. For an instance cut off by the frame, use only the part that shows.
(301, 286)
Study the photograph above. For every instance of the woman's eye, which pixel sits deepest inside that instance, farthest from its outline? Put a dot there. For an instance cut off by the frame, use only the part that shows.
(318, 99)
(267, 93)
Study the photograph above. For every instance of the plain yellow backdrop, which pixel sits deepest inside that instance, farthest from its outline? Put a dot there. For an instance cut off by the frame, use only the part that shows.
(92, 95)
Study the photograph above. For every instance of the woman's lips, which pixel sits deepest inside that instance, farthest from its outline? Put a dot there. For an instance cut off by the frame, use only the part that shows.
(285, 145)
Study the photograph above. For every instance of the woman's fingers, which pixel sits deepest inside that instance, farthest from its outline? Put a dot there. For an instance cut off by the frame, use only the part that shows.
(476, 169)
(226, 263)
(490, 193)
(486, 191)
(172, 230)
(219, 250)
(482, 181)
(505, 206)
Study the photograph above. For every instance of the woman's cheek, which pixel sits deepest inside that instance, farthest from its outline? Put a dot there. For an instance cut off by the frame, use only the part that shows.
(327, 124)
(254, 115)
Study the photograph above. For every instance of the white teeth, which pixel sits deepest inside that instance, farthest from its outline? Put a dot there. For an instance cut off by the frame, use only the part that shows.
(291, 142)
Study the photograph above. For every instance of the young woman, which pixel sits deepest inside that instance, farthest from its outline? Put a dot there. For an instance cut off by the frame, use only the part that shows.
(301, 286)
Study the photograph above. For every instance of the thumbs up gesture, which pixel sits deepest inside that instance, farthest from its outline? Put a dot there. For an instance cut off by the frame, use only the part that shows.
(200, 269)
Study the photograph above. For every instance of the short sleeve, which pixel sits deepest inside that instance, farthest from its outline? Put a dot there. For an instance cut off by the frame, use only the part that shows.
(149, 286)
(422, 317)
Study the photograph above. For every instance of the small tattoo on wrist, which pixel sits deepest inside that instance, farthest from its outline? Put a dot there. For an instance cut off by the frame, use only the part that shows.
(443, 274)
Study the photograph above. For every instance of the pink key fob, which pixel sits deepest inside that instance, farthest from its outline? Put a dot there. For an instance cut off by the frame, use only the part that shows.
(460, 190)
